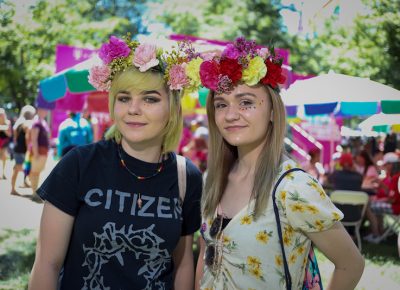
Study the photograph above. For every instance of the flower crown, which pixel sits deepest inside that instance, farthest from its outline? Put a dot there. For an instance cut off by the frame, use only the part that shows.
(242, 61)
(119, 54)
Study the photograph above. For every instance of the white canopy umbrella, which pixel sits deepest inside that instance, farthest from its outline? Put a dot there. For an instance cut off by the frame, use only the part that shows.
(334, 87)
(379, 120)
(348, 132)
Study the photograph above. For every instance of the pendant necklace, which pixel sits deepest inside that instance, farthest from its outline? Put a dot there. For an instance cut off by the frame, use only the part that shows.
(140, 177)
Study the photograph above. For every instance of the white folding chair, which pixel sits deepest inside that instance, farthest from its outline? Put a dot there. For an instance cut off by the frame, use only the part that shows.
(353, 204)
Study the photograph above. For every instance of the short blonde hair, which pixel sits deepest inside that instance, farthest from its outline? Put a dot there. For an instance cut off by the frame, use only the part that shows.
(149, 80)
(222, 157)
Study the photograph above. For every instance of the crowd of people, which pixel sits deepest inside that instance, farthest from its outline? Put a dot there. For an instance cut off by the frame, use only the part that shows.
(375, 172)
(123, 211)
(372, 167)
(28, 141)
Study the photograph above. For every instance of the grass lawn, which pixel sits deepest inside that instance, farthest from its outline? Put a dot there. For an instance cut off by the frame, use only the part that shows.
(382, 266)
(17, 251)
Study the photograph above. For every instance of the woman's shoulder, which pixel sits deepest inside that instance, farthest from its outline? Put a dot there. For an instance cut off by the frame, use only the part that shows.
(297, 177)
(294, 167)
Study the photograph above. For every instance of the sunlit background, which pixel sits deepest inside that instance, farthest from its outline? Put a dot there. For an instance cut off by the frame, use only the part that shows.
(353, 46)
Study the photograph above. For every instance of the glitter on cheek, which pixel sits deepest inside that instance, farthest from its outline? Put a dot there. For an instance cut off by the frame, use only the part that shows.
(248, 108)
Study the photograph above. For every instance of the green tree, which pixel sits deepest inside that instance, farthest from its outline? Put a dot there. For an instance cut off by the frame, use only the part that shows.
(125, 9)
(27, 47)
(224, 20)
(369, 48)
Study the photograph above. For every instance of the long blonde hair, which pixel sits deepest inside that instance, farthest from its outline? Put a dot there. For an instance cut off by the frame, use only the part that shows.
(150, 80)
(222, 157)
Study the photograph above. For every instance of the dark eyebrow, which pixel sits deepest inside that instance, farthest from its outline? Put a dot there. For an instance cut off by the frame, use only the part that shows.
(150, 93)
(219, 98)
(245, 94)
(123, 92)
(142, 92)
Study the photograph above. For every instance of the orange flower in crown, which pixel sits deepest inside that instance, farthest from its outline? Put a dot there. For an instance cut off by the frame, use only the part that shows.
(243, 62)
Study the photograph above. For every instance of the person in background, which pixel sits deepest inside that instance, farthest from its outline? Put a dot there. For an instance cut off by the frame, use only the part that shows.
(366, 167)
(186, 137)
(390, 143)
(387, 200)
(240, 245)
(197, 151)
(93, 122)
(39, 144)
(347, 178)
(73, 131)
(114, 217)
(5, 135)
(21, 132)
(313, 166)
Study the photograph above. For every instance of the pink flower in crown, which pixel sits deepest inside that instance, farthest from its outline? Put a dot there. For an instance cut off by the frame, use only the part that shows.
(145, 57)
(116, 48)
(231, 52)
(209, 74)
(177, 77)
(99, 77)
(263, 52)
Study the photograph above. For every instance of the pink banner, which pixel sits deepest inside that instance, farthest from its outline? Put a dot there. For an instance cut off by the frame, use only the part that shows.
(67, 56)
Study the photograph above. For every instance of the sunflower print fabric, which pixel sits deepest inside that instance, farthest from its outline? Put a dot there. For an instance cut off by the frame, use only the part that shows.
(251, 254)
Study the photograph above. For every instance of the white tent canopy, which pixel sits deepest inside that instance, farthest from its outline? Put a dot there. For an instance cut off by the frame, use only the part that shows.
(379, 120)
(333, 87)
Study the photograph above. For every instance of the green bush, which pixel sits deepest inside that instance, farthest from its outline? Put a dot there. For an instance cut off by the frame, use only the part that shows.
(17, 253)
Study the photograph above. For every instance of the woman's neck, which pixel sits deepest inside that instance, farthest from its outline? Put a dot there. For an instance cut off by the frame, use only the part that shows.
(246, 163)
(149, 154)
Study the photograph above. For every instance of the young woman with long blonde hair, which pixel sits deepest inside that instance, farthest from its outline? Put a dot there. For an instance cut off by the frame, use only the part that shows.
(114, 217)
(241, 247)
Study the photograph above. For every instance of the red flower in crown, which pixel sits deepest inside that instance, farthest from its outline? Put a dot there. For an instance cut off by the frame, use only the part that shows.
(231, 68)
(209, 74)
(274, 74)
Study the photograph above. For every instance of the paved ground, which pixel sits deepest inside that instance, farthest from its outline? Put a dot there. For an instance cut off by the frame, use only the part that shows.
(18, 212)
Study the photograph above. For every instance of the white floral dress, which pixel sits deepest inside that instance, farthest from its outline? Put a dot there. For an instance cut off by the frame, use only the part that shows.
(251, 253)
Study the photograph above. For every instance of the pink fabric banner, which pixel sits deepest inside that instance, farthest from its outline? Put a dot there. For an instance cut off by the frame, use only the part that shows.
(67, 56)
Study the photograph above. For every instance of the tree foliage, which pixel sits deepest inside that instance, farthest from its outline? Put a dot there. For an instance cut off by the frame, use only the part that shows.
(223, 20)
(369, 48)
(27, 46)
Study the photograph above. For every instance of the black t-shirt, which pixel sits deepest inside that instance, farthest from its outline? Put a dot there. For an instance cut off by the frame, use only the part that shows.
(114, 244)
(20, 145)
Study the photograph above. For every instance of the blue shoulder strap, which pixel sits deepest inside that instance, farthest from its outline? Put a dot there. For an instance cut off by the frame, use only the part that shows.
(278, 223)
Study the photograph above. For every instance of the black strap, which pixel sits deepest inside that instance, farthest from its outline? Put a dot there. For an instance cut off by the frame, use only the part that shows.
(278, 223)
